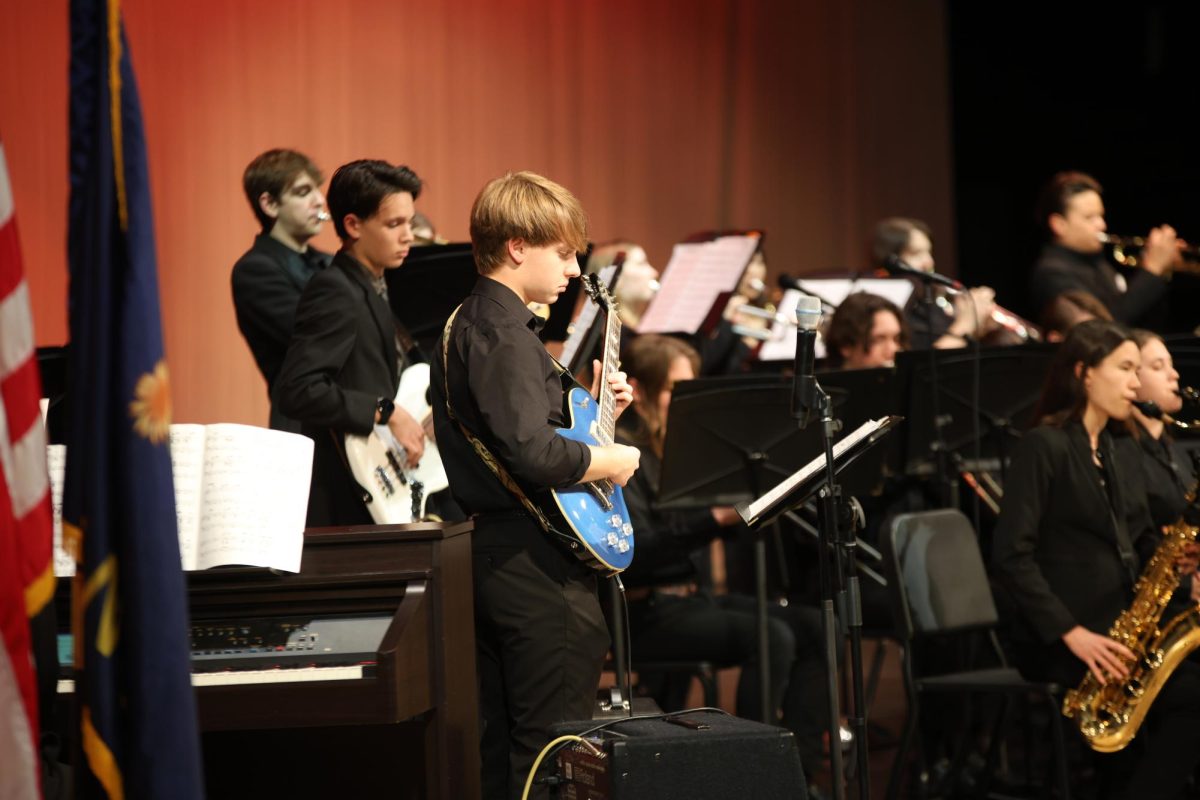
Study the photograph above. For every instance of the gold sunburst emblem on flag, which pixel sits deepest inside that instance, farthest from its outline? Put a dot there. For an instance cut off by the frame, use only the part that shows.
(151, 406)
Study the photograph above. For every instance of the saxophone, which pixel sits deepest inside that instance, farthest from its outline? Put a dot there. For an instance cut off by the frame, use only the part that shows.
(1110, 714)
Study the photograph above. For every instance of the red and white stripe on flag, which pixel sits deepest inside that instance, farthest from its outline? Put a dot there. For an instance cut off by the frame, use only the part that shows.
(26, 568)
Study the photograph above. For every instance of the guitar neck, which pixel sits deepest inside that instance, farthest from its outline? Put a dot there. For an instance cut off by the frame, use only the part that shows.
(607, 418)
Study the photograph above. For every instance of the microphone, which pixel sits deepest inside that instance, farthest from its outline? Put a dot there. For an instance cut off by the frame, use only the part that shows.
(804, 383)
(896, 266)
(786, 281)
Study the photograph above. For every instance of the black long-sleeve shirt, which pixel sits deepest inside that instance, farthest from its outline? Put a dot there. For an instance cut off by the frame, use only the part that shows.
(508, 392)
(1167, 481)
(267, 282)
(1059, 269)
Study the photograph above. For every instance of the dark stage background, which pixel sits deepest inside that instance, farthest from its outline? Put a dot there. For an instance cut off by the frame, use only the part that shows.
(1038, 88)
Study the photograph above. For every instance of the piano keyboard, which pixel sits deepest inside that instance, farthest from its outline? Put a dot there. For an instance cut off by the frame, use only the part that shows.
(256, 676)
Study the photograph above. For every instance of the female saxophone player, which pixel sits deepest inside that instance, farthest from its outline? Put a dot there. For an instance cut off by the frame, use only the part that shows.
(1069, 544)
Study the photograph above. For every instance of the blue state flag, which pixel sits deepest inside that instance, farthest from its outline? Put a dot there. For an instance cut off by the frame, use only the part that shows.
(138, 732)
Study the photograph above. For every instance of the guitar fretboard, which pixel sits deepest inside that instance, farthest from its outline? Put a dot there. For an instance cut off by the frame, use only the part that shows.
(606, 419)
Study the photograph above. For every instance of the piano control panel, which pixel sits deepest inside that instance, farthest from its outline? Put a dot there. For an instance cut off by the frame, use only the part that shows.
(267, 643)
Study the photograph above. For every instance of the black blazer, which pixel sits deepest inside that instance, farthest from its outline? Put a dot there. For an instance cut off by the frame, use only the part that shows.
(1060, 268)
(267, 282)
(341, 360)
(1055, 543)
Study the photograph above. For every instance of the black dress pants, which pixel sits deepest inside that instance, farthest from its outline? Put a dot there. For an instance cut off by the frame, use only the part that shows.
(540, 645)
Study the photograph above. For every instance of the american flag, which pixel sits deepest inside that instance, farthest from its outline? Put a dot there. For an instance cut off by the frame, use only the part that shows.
(26, 570)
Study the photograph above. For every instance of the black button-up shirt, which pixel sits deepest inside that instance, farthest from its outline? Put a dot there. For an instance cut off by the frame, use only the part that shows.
(508, 392)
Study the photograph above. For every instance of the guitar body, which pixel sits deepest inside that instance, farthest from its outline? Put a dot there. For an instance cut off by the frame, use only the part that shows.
(413, 397)
(599, 519)
(396, 496)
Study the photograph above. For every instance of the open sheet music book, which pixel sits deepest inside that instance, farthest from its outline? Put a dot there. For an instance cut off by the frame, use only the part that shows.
(241, 496)
(805, 480)
(697, 274)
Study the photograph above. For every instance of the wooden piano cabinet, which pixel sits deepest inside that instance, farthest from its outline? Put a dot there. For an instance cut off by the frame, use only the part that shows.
(409, 728)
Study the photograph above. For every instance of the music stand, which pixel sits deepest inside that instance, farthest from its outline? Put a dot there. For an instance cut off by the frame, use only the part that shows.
(52, 367)
(1010, 382)
(720, 426)
(731, 438)
(562, 310)
(424, 292)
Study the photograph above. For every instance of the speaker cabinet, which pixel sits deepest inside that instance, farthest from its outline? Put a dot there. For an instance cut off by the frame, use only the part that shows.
(684, 757)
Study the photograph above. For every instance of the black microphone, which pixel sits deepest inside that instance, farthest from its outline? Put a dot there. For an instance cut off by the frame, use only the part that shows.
(896, 266)
(804, 383)
(788, 282)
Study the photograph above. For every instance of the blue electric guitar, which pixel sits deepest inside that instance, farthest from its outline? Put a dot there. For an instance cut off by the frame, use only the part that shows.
(595, 511)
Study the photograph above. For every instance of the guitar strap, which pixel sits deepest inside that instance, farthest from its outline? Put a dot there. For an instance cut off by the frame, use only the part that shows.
(481, 450)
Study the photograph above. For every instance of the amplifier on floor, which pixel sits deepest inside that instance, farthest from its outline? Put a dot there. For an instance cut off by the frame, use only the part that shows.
(684, 757)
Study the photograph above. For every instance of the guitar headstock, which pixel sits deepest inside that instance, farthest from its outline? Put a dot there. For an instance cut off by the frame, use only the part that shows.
(596, 290)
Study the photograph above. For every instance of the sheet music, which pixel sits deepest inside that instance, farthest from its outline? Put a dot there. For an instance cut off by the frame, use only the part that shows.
(587, 315)
(56, 460)
(693, 278)
(782, 344)
(755, 509)
(187, 468)
(241, 496)
(256, 483)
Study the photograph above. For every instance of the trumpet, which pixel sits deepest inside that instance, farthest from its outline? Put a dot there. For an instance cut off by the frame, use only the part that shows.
(1127, 251)
(1024, 330)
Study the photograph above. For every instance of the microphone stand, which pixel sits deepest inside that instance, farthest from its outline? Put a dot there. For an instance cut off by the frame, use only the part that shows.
(838, 539)
(947, 490)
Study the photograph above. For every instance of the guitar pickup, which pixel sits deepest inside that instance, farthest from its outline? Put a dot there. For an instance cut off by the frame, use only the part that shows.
(384, 483)
(600, 496)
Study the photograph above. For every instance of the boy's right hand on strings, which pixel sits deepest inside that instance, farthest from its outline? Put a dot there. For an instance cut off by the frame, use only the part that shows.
(409, 434)
(625, 462)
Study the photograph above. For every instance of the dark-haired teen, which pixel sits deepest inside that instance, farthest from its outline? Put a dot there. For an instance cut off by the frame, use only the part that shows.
(343, 364)
(1071, 539)
(284, 190)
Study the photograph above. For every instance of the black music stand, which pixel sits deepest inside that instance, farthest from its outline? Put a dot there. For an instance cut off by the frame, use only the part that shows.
(730, 439)
(742, 429)
(839, 520)
(1010, 381)
(562, 311)
(424, 292)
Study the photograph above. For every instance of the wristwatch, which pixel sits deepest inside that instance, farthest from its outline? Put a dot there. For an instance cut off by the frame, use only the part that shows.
(385, 407)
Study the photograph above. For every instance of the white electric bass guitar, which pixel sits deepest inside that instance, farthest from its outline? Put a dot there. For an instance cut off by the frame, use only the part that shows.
(394, 493)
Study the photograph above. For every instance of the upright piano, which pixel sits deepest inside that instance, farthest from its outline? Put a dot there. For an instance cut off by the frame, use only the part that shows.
(353, 678)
